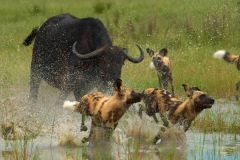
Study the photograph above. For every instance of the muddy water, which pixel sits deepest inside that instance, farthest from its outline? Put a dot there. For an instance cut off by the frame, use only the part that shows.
(59, 124)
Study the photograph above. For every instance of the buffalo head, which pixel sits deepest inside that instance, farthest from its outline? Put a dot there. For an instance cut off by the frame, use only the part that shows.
(111, 59)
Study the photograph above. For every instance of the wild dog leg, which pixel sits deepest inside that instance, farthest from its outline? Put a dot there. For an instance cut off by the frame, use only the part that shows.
(153, 111)
(83, 127)
(171, 81)
(160, 82)
(77, 95)
(86, 139)
(158, 136)
(237, 90)
(164, 119)
(165, 79)
(186, 125)
(83, 108)
(155, 118)
(140, 110)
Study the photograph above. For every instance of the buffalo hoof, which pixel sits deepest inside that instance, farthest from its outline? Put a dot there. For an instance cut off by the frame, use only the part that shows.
(83, 128)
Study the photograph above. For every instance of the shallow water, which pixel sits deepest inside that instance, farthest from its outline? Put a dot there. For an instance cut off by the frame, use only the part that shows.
(200, 146)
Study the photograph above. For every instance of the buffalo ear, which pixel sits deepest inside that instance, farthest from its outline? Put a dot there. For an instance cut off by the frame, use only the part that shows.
(117, 84)
(150, 52)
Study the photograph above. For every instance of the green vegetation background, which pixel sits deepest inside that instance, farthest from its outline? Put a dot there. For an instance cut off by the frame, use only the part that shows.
(191, 29)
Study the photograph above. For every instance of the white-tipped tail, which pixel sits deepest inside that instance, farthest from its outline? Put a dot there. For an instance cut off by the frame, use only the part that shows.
(219, 54)
(151, 65)
(70, 106)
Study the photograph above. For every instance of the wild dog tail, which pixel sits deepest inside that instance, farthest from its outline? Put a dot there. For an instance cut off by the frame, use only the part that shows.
(27, 41)
(220, 54)
(70, 105)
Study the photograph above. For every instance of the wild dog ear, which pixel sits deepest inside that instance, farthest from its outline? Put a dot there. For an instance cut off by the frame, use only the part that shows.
(150, 52)
(117, 84)
(185, 87)
(163, 52)
(195, 89)
(188, 91)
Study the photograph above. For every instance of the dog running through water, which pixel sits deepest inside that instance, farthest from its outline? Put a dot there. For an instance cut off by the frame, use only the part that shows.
(173, 109)
(105, 111)
(162, 65)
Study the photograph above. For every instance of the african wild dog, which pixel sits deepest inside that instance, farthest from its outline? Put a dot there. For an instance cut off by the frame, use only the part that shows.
(162, 64)
(176, 110)
(158, 101)
(104, 110)
(230, 58)
(188, 110)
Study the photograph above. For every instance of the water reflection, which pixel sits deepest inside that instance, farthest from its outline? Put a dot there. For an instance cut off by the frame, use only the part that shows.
(199, 146)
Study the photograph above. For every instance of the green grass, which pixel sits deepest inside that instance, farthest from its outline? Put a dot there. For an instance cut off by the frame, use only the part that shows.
(192, 30)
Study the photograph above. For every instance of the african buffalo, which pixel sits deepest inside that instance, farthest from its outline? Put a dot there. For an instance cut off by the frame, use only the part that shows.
(74, 54)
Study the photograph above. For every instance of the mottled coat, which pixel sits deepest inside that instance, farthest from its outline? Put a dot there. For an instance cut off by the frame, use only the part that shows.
(176, 110)
(163, 67)
(106, 111)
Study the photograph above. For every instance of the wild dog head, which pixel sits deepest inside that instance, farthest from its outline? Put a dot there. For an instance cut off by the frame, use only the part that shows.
(158, 61)
(126, 95)
(200, 99)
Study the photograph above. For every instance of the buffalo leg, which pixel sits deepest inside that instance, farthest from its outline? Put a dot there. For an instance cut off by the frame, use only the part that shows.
(35, 80)
(77, 95)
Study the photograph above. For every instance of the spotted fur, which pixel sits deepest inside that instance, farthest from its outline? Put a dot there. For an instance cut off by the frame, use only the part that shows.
(176, 110)
(106, 111)
(163, 67)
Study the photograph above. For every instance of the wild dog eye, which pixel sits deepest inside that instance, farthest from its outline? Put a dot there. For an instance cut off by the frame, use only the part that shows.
(132, 93)
(202, 96)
